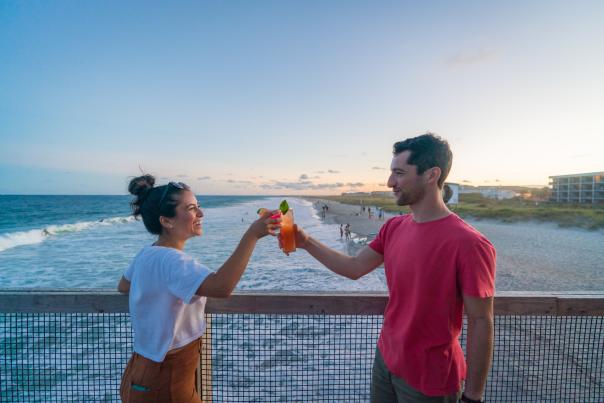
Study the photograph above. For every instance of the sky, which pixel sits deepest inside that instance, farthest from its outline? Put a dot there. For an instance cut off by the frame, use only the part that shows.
(294, 97)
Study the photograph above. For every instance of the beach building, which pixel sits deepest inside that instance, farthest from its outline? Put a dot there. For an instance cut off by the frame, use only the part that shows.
(578, 188)
(453, 197)
(491, 192)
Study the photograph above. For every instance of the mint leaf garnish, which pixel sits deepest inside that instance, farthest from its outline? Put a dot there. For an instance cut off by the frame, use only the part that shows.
(284, 207)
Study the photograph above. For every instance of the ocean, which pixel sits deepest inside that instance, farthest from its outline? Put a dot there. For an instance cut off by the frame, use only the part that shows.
(88, 241)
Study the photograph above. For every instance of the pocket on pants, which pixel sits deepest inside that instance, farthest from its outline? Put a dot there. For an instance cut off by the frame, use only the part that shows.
(141, 380)
(136, 396)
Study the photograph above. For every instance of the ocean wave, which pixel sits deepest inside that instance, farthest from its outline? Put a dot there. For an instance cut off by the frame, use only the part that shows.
(39, 235)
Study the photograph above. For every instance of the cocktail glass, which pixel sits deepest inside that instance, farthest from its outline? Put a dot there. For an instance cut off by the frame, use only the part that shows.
(288, 235)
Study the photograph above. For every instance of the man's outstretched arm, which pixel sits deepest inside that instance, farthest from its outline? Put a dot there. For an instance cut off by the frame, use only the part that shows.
(353, 267)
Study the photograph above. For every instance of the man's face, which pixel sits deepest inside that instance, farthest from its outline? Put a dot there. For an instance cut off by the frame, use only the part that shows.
(407, 186)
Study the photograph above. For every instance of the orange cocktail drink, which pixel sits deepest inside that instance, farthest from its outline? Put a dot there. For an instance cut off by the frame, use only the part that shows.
(288, 236)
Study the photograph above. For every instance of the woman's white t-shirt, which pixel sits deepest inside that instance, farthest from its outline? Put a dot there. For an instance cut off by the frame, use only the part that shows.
(164, 310)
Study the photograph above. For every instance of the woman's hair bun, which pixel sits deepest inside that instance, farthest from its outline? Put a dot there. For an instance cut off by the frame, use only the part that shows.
(140, 185)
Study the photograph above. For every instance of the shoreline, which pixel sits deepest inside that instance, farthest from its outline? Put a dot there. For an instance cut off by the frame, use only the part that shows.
(341, 213)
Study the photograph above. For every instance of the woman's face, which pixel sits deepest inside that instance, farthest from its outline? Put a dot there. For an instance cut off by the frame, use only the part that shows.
(187, 222)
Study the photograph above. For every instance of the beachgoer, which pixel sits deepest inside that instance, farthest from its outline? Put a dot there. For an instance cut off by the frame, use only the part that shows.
(167, 292)
(347, 230)
(341, 231)
(437, 267)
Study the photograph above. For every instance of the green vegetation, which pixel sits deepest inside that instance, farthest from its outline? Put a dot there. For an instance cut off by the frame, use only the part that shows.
(474, 205)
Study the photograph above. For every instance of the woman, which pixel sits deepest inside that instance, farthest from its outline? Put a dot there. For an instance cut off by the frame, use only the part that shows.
(167, 290)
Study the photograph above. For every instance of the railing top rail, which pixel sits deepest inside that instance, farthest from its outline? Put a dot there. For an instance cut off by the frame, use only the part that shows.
(580, 303)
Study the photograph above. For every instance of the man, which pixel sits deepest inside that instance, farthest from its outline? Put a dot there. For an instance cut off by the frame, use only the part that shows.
(436, 267)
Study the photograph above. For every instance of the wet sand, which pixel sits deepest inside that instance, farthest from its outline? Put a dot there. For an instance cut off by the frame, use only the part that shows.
(360, 223)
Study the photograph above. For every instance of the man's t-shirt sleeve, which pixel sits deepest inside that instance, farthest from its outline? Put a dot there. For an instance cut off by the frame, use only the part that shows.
(476, 273)
(379, 242)
(183, 275)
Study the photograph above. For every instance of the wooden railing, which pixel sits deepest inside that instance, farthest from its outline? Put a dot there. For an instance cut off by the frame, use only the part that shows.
(343, 303)
(539, 304)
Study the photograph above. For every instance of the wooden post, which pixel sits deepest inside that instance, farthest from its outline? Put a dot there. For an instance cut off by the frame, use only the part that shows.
(204, 372)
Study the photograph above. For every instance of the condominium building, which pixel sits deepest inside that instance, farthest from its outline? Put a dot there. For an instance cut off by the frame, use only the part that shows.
(578, 188)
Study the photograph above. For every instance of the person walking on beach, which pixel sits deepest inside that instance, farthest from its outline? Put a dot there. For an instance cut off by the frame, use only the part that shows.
(437, 266)
(341, 231)
(167, 292)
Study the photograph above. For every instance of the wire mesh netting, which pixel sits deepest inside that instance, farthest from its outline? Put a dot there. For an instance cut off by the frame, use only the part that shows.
(58, 357)
(323, 358)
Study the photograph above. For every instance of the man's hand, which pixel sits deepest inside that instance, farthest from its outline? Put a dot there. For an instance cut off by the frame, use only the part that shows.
(301, 239)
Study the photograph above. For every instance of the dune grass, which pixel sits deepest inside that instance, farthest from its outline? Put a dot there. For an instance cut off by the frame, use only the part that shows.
(474, 205)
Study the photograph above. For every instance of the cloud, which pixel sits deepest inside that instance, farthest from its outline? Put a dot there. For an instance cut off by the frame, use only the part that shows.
(378, 168)
(465, 58)
(319, 172)
(305, 177)
(304, 183)
(240, 182)
(331, 171)
(203, 178)
(182, 176)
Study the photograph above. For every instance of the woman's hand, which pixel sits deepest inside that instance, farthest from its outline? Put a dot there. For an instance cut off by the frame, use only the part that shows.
(268, 223)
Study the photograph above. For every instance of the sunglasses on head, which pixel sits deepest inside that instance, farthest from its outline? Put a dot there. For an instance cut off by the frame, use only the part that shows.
(177, 185)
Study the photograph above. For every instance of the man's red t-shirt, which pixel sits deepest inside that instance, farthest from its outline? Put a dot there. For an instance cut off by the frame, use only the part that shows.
(428, 267)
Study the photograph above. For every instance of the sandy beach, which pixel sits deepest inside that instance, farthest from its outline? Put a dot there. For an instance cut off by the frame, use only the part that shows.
(360, 223)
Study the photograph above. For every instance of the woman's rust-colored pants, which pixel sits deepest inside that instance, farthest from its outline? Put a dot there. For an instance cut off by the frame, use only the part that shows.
(172, 380)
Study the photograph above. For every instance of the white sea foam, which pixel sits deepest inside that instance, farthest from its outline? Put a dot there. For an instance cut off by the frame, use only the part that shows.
(34, 236)
(14, 239)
